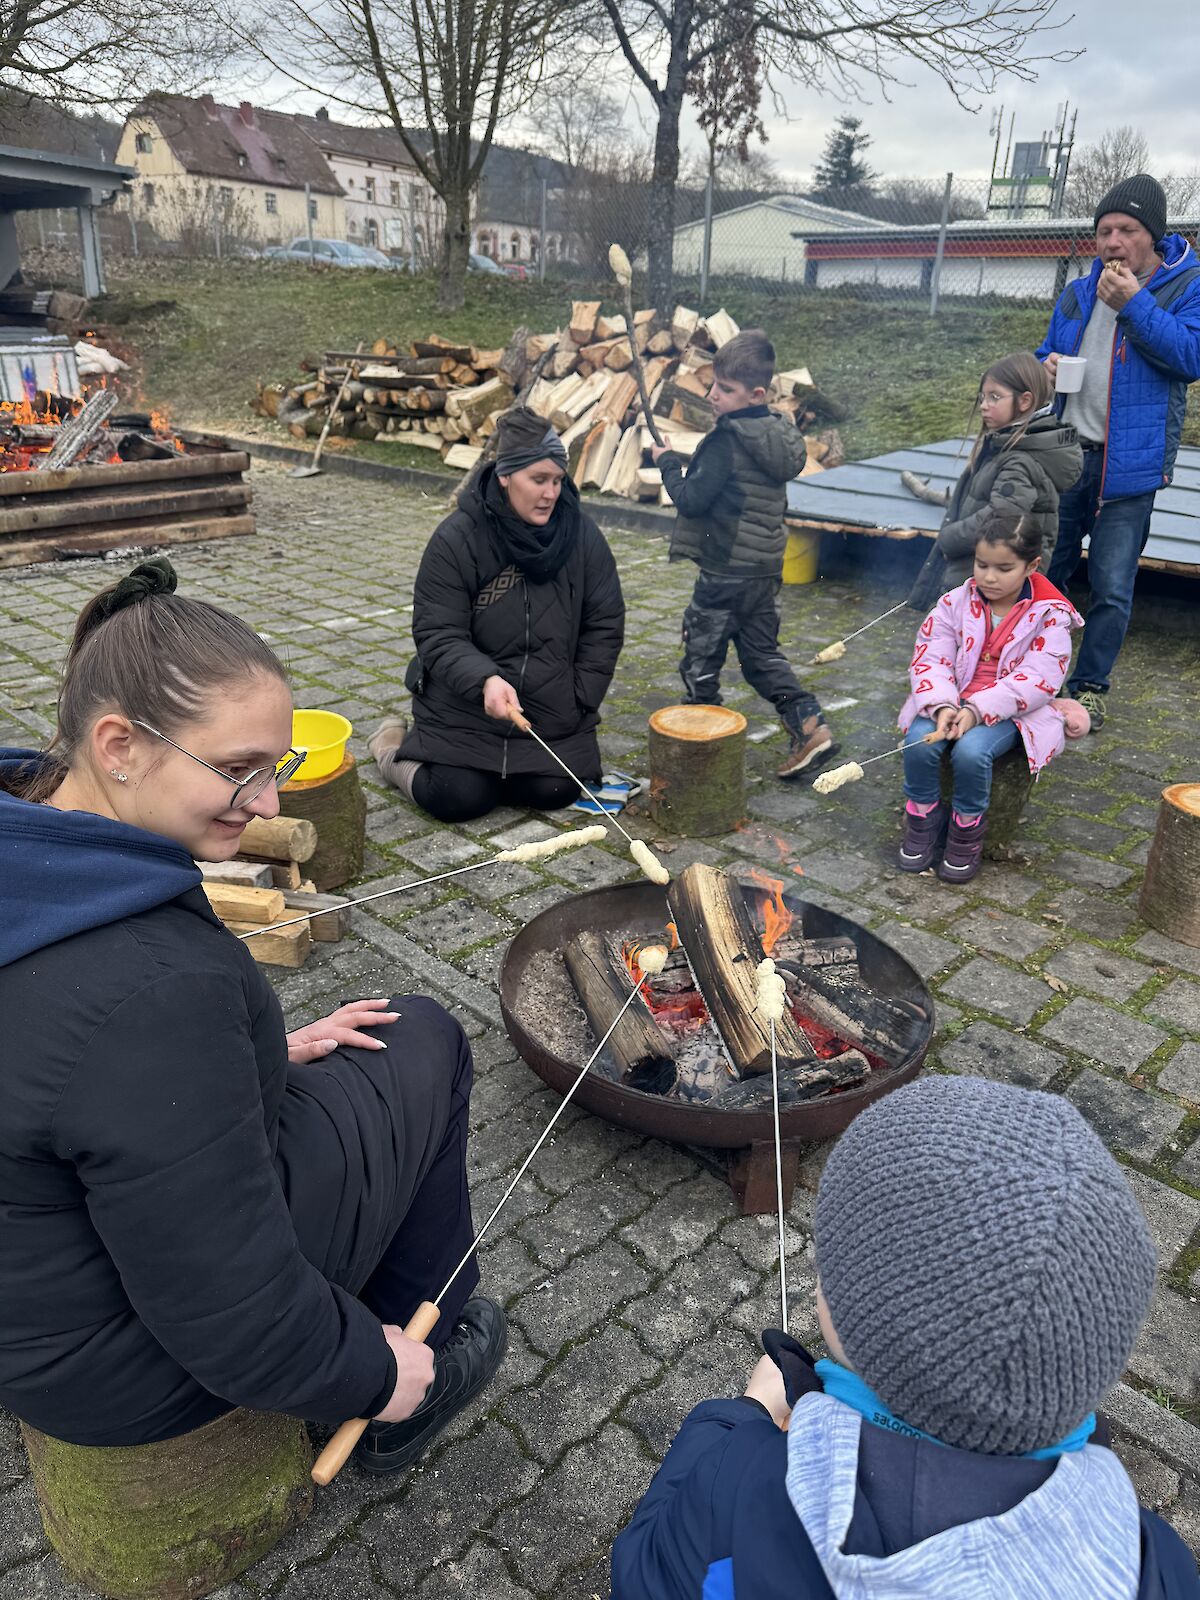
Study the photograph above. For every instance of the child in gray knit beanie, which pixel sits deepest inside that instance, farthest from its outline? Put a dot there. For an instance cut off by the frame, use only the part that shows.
(983, 1272)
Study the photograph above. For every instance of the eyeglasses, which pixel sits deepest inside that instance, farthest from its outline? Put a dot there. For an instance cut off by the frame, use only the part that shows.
(245, 790)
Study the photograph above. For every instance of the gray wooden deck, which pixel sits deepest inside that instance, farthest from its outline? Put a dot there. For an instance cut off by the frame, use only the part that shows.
(868, 494)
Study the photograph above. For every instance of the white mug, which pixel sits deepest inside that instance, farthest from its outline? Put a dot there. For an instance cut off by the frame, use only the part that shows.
(1068, 379)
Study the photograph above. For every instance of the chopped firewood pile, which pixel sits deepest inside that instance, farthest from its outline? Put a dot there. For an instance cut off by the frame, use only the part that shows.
(264, 885)
(443, 396)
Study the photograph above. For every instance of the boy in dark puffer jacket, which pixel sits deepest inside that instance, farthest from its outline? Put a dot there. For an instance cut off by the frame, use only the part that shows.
(731, 504)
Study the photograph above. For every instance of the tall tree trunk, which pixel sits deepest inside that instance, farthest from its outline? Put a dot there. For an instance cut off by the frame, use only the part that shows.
(661, 238)
(456, 247)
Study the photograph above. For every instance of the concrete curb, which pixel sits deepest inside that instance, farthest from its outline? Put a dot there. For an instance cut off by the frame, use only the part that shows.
(643, 519)
(1136, 1416)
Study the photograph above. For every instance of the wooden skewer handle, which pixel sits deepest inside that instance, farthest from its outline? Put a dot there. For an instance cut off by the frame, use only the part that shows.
(340, 1448)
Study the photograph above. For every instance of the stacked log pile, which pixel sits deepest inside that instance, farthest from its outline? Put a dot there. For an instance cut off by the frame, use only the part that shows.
(264, 884)
(443, 396)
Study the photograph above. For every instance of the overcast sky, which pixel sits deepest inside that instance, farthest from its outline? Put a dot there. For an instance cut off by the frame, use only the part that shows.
(1138, 67)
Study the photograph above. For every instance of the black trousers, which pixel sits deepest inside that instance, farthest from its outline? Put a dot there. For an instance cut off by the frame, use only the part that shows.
(744, 612)
(372, 1156)
(457, 794)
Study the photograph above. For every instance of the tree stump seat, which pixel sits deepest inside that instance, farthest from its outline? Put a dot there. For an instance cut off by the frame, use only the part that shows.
(1011, 783)
(337, 807)
(177, 1519)
(697, 770)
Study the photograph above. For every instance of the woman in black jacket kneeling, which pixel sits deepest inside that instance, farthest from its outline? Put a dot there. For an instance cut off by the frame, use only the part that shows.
(200, 1210)
(517, 608)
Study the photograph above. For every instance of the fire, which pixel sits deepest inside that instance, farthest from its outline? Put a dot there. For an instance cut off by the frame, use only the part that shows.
(680, 1011)
(777, 919)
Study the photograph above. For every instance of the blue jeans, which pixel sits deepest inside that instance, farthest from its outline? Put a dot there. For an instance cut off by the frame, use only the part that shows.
(1119, 530)
(971, 757)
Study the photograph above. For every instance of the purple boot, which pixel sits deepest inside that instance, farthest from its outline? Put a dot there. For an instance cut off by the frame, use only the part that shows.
(922, 841)
(964, 851)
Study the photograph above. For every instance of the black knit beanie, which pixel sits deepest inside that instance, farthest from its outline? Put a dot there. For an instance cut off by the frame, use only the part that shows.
(1140, 197)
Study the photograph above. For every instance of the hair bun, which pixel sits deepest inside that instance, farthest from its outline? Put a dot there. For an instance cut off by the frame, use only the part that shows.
(155, 576)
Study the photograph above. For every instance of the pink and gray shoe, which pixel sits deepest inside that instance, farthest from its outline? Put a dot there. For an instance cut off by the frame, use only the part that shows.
(964, 850)
(922, 841)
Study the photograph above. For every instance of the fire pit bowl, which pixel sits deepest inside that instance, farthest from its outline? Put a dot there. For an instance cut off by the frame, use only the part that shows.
(639, 910)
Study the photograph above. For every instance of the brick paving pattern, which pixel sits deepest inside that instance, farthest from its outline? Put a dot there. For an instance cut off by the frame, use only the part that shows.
(633, 1287)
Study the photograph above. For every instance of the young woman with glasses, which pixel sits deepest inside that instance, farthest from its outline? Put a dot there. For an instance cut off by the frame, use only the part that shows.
(198, 1209)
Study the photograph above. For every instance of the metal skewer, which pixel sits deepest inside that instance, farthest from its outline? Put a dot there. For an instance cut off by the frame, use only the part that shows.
(526, 726)
(783, 1303)
(337, 1452)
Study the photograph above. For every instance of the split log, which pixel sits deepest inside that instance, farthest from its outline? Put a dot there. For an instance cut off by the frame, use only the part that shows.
(435, 345)
(462, 456)
(338, 808)
(583, 321)
(619, 357)
(724, 952)
(681, 440)
(697, 769)
(77, 435)
(648, 484)
(1170, 897)
(180, 1517)
(328, 928)
(470, 406)
(563, 361)
(603, 982)
(694, 410)
(610, 327)
(839, 952)
(622, 474)
(599, 448)
(233, 903)
(481, 359)
(283, 947)
(661, 344)
(844, 1005)
(795, 1084)
(539, 397)
(618, 397)
(284, 874)
(282, 838)
(790, 383)
(684, 323)
(720, 328)
(539, 343)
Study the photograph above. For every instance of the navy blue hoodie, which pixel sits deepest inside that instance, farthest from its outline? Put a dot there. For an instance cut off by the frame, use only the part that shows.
(839, 1506)
(150, 1272)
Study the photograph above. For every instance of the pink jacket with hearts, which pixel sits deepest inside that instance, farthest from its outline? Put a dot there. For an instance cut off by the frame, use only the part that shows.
(1033, 664)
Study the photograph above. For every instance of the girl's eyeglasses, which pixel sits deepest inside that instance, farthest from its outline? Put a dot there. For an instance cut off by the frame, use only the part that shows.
(245, 790)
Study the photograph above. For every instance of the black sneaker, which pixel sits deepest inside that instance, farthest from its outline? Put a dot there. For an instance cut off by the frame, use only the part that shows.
(1093, 702)
(465, 1363)
(923, 839)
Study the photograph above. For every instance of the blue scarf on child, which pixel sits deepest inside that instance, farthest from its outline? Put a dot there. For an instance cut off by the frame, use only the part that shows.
(842, 1384)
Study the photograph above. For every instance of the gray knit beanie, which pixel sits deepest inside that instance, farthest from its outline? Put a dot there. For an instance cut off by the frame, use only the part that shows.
(985, 1264)
(1140, 197)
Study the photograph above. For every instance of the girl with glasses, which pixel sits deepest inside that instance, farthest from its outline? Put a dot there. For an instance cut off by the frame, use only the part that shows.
(244, 1216)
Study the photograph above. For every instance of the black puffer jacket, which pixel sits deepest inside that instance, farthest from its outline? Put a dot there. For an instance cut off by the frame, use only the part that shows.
(732, 499)
(1023, 479)
(476, 615)
(150, 1271)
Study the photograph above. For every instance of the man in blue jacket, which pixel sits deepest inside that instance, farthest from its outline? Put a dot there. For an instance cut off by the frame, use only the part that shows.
(983, 1270)
(1135, 318)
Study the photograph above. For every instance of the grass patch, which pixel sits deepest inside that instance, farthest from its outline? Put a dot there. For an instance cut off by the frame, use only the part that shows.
(202, 333)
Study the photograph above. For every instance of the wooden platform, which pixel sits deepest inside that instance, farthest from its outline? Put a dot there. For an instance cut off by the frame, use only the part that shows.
(52, 516)
(867, 497)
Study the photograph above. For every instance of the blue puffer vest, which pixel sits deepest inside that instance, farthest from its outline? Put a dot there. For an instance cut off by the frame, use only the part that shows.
(1156, 354)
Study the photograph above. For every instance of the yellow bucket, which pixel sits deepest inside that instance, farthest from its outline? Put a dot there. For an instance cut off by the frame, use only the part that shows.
(800, 557)
(323, 734)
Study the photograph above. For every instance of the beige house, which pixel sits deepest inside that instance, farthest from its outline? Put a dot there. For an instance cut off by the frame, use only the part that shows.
(387, 202)
(212, 177)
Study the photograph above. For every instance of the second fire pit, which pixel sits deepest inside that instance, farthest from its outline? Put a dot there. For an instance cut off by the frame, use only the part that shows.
(705, 1104)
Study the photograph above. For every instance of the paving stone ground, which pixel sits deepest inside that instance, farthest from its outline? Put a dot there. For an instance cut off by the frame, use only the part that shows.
(633, 1287)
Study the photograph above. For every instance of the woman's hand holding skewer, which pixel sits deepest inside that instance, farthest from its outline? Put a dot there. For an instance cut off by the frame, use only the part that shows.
(414, 1374)
(500, 699)
(315, 1041)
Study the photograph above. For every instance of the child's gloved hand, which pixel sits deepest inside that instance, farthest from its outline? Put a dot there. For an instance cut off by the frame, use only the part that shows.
(795, 1364)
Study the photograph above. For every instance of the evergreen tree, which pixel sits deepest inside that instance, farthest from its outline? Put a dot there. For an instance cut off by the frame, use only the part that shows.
(842, 169)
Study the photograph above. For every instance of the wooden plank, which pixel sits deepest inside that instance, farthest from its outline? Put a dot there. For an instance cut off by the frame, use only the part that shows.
(85, 516)
(74, 479)
(233, 902)
(149, 534)
(285, 875)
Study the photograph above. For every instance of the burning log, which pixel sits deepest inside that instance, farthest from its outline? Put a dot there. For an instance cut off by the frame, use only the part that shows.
(839, 1000)
(724, 951)
(80, 433)
(796, 1084)
(603, 982)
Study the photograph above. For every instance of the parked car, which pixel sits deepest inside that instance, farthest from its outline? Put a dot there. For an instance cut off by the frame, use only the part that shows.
(478, 263)
(330, 253)
(514, 269)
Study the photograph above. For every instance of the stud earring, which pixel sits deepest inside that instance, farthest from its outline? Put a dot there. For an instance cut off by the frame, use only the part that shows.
(119, 776)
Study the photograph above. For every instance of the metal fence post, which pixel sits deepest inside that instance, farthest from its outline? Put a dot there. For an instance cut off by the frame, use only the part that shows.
(133, 233)
(542, 238)
(308, 222)
(706, 253)
(940, 254)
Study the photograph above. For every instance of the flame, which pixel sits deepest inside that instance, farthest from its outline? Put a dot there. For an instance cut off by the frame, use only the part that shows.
(673, 932)
(777, 919)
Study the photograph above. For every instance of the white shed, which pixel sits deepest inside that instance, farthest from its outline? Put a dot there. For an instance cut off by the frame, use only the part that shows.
(759, 239)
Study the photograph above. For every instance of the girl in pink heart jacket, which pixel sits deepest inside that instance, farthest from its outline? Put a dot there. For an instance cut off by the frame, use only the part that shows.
(989, 660)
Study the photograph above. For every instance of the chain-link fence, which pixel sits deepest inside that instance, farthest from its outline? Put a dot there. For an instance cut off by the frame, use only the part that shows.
(928, 241)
